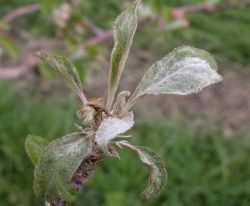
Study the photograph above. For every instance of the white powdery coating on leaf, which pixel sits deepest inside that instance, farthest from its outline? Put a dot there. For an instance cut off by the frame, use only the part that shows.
(158, 173)
(191, 75)
(113, 126)
(184, 71)
(124, 31)
(58, 163)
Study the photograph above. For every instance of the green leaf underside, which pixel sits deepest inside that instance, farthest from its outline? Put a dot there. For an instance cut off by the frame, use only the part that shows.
(124, 30)
(184, 71)
(59, 161)
(67, 70)
(34, 146)
(158, 173)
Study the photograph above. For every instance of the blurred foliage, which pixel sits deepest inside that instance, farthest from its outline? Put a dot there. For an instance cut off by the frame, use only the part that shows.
(205, 171)
(9, 46)
(16, 117)
(225, 33)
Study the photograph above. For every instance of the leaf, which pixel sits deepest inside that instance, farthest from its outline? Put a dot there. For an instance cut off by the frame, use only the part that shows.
(158, 173)
(120, 103)
(49, 6)
(58, 163)
(184, 71)
(111, 127)
(124, 30)
(68, 71)
(34, 146)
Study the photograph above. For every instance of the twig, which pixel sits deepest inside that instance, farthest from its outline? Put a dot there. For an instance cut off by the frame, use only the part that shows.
(179, 15)
(24, 10)
(91, 26)
(182, 12)
(29, 61)
(14, 72)
(178, 22)
(102, 37)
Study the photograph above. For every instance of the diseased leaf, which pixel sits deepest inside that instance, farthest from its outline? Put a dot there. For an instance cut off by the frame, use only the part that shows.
(68, 71)
(111, 127)
(120, 103)
(184, 71)
(124, 30)
(58, 163)
(34, 146)
(158, 173)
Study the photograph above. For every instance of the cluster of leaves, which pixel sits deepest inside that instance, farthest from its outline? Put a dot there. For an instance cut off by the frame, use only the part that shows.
(64, 164)
(201, 170)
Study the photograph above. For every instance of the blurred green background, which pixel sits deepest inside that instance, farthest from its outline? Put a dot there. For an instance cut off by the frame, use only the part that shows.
(203, 139)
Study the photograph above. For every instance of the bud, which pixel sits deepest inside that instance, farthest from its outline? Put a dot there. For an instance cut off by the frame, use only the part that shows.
(87, 114)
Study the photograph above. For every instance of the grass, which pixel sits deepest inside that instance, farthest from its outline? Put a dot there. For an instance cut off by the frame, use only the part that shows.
(203, 171)
(19, 117)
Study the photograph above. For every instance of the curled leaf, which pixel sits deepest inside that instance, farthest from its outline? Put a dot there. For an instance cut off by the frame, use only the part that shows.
(124, 30)
(34, 146)
(184, 71)
(158, 173)
(111, 127)
(68, 72)
(120, 103)
(57, 165)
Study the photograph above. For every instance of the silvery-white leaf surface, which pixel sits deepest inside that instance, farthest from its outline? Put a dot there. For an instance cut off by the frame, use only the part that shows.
(184, 71)
(158, 173)
(113, 126)
(120, 103)
(68, 71)
(124, 30)
(59, 161)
